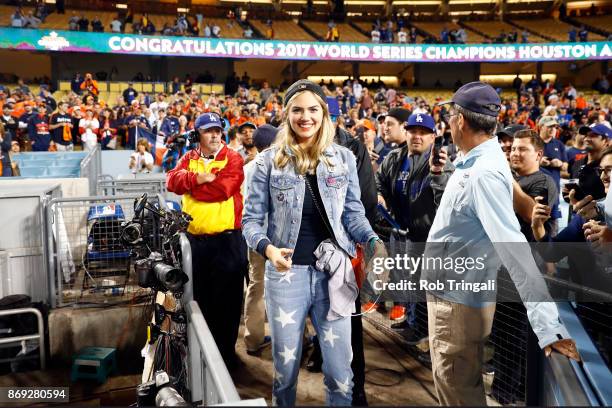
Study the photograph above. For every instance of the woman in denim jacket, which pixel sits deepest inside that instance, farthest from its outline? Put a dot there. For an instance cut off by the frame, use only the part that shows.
(303, 171)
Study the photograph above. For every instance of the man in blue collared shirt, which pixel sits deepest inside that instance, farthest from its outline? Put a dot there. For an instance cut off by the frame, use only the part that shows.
(476, 216)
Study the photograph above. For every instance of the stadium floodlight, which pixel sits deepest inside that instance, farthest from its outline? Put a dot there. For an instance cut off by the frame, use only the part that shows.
(248, 1)
(454, 2)
(417, 3)
(50, 1)
(365, 2)
(122, 6)
(506, 79)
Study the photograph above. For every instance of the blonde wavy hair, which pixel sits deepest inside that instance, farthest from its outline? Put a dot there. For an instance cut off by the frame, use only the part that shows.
(304, 160)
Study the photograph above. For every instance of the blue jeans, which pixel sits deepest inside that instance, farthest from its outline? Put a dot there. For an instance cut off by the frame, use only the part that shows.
(290, 297)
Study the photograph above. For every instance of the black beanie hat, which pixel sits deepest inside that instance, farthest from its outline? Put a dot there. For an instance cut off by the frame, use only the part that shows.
(303, 85)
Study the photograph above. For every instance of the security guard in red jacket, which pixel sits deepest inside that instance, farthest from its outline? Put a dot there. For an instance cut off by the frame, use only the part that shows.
(209, 178)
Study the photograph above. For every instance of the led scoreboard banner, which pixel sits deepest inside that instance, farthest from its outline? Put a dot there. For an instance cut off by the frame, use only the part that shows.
(77, 41)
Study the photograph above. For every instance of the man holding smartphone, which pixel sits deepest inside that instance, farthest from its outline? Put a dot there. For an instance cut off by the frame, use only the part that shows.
(527, 150)
(554, 159)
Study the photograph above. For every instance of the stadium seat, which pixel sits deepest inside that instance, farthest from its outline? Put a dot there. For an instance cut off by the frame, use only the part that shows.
(159, 87)
(601, 22)
(435, 28)
(147, 87)
(494, 28)
(218, 88)
(206, 88)
(555, 29)
(284, 30)
(347, 33)
(64, 86)
(114, 86)
(229, 29)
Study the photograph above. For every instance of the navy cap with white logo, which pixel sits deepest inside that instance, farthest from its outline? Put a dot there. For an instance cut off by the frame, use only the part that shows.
(208, 120)
(477, 97)
(422, 120)
(599, 129)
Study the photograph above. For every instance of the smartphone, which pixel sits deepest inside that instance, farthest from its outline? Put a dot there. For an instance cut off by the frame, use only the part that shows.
(379, 147)
(544, 199)
(436, 150)
(578, 192)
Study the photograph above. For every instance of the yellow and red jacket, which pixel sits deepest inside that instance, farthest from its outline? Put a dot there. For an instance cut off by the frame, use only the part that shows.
(216, 206)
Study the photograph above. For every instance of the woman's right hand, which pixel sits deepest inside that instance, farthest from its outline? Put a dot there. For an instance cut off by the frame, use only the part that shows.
(279, 257)
(540, 214)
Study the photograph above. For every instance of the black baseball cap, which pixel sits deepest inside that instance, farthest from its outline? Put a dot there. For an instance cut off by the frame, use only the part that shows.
(246, 124)
(510, 130)
(477, 97)
(400, 114)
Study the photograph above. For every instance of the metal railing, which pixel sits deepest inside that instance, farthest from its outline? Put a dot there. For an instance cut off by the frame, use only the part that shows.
(40, 336)
(86, 262)
(152, 184)
(91, 167)
(209, 381)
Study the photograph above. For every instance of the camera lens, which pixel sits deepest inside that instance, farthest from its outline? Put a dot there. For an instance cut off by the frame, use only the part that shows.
(172, 278)
(131, 234)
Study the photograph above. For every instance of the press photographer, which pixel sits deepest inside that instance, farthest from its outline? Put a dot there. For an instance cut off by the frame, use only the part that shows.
(177, 147)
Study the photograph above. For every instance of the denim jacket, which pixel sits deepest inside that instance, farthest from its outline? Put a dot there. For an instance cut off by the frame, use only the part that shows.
(279, 193)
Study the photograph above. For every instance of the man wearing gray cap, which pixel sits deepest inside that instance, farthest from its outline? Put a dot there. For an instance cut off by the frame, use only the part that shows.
(476, 214)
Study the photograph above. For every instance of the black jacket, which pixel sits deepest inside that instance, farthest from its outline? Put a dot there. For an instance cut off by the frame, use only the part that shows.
(365, 173)
(424, 201)
(5, 148)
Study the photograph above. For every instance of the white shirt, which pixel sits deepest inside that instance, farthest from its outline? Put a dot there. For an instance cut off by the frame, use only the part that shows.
(375, 36)
(248, 33)
(156, 106)
(89, 138)
(402, 37)
(115, 26)
(142, 161)
(216, 30)
(207, 31)
(357, 88)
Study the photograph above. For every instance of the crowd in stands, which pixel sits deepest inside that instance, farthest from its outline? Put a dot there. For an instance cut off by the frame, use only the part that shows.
(112, 123)
(396, 29)
(31, 19)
